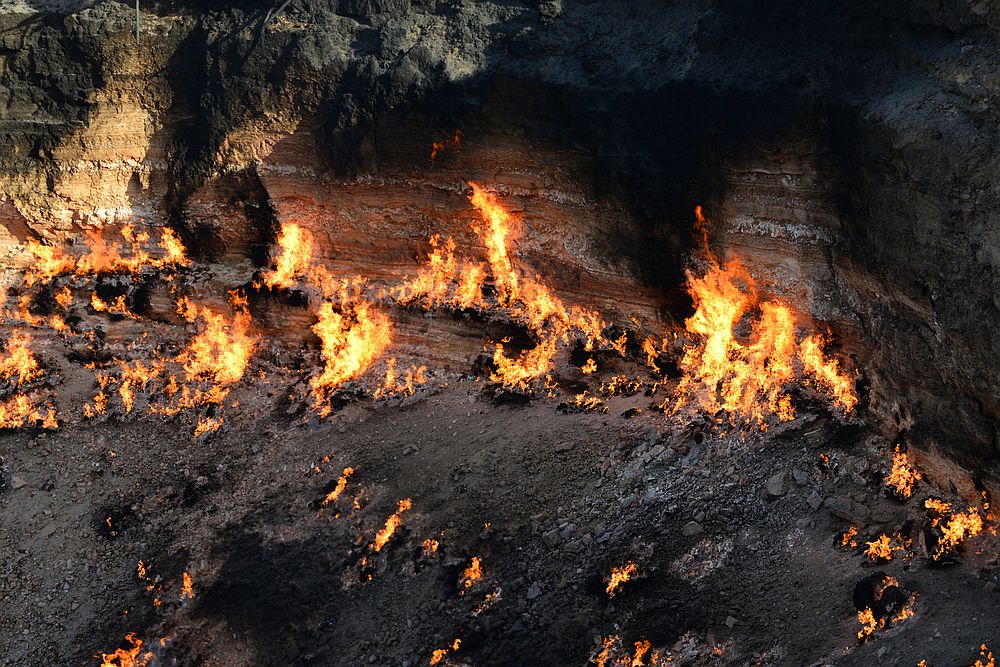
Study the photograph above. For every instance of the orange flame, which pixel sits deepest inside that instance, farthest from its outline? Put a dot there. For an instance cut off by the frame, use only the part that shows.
(127, 657)
(394, 521)
(903, 475)
(749, 380)
(472, 574)
(955, 527)
(614, 653)
(619, 575)
(294, 258)
(339, 488)
(187, 586)
(985, 658)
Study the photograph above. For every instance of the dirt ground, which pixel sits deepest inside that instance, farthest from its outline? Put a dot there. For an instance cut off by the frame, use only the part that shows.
(548, 500)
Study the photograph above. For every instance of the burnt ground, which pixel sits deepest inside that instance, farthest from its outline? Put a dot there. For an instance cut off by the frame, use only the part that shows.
(548, 500)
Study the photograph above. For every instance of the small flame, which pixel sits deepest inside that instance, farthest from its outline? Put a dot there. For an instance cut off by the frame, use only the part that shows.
(903, 475)
(394, 521)
(187, 586)
(955, 527)
(614, 653)
(127, 657)
(339, 488)
(883, 547)
(619, 575)
(985, 658)
(472, 574)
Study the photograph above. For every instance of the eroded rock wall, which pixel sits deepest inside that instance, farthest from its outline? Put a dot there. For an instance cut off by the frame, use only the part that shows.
(846, 154)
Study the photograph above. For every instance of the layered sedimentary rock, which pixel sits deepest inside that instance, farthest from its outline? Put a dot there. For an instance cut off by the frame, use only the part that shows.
(844, 154)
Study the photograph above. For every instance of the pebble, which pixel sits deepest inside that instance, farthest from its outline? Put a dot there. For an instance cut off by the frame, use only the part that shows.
(17, 483)
(534, 591)
(776, 486)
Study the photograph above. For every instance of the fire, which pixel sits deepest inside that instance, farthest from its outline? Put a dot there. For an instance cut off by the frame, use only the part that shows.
(866, 617)
(438, 654)
(222, 350)
(985, 658)
(847, 538)
(19, 362)
(339, 488)
(903, 475)
(394, 521)
(400, 386)
(884, 546)
(294, 259)
(438, 147)
(955, 527)
(619, 575)
(351, 341)
(472, 574)
(187, 586)
(127, 657)
(430, 547)
(130, 254)
(614, 653)
(749, 379)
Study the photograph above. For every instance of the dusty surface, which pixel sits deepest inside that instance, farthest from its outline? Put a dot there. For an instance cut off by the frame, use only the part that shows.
(276, 584)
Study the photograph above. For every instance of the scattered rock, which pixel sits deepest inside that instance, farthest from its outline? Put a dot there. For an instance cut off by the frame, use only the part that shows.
(551, 538)
(800, 476)
(845, 508)
(691, 528)
(814, 500)
(776, 486)
(534, 591)
(17, 483)
(731, 622)
(565, 446)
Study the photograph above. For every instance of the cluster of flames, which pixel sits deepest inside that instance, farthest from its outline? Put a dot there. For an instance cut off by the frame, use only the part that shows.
(614, 652)
(749, 378)
(869, 622)
(619, 575)
(18, 369)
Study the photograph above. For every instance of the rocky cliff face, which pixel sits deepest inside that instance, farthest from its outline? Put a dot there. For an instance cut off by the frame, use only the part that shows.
(846, 155)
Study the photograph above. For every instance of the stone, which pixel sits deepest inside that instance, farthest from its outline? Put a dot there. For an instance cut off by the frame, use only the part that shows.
(800, 477)
(534, 591)
(17, 483)
(845, 508)
(551, 538)
(814, 500)
(691, 528)
(731, 622)
(776, 487)
(565, 446)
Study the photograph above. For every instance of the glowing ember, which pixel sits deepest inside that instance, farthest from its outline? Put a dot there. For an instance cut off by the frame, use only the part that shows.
(127, 657)
(438, 654)
(619, 575)
(430, 547)
(394, 521)
(903, 476)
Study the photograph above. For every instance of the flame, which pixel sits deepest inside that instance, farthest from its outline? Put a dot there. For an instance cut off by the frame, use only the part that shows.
(885, 545)
(402, 386)
(430, 547)
(438, 654)
(955, 527)
(351, 340)
(985, 658)
(339, 488)
(903, 475)
(391, 524)
(127, 255)
(294, 259)
(472, 574)
(847, 538)
(438, 147)
(187, 586)
(19, 362)
(866, 617)
(614, 653)
(619, 575)
(748, 379)
(127, 657)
